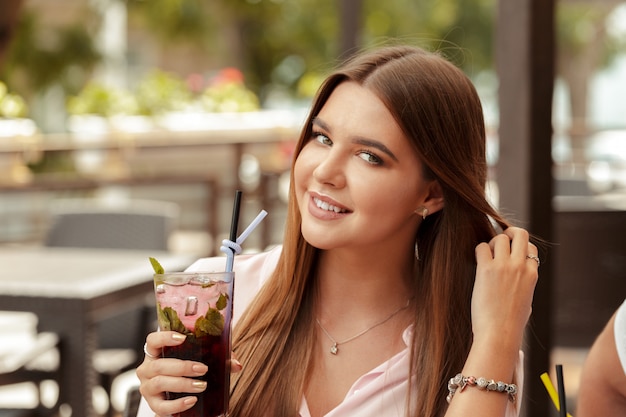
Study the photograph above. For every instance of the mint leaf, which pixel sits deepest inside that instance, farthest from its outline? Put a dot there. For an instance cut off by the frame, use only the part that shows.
(158, 269)
(212, 323)
(169, 320)
(222, 302)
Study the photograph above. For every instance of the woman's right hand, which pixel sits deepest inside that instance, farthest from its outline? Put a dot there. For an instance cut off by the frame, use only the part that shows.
(158, 375)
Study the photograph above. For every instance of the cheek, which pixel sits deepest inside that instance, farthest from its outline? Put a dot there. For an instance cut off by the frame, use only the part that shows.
(303, 168)
(301, 175)
(394, 194)
(298, 173)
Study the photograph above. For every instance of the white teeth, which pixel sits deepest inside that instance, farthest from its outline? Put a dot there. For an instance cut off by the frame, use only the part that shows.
(328, 207)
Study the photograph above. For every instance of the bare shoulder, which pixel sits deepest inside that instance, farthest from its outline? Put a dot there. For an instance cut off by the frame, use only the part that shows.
(603, 380)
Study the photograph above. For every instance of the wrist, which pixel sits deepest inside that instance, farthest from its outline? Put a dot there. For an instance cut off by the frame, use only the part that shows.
(493, 359)
(504, 342)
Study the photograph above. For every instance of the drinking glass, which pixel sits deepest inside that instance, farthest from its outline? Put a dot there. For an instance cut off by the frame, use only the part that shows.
(199, 305)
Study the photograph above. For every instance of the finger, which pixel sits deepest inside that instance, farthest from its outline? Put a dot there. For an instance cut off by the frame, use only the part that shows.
(154, 390)
(159, 339)
(176, 368)
(152, 367)
(521, 247)
(234, 365)
(483, 252)
(500, 245)
(532, 254)
(166, 383)
(159, 376)
(156, 341)
(519, 241)
(170, 407)
(149, 355)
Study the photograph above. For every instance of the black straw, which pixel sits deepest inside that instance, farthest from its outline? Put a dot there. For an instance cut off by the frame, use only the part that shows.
(235, 219)
(561, 390)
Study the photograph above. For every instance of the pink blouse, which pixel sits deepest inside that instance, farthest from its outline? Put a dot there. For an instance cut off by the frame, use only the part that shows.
(380, 392)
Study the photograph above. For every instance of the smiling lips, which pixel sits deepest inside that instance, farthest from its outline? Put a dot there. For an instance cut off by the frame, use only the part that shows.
(328, 207)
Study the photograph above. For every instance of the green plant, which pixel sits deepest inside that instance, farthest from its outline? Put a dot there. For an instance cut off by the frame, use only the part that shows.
(11, 105)
(160, 91)
(66, 58)
(229, 95)
(102, 100)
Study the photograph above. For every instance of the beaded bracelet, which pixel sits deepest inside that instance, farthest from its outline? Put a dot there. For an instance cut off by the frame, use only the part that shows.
(459, 382)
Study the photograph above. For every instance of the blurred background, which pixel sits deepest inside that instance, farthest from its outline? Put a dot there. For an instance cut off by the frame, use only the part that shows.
(183, 101)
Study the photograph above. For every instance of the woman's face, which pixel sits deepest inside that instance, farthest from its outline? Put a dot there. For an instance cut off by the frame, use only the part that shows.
(357, 180)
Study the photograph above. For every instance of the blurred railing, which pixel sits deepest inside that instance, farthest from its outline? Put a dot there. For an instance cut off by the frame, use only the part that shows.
(197, 166)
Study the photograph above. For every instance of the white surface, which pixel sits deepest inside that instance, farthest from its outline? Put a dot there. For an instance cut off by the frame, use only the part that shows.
(79, 273)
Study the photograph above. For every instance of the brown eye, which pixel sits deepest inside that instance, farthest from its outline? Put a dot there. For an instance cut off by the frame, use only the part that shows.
(370, 158)
(321, 138)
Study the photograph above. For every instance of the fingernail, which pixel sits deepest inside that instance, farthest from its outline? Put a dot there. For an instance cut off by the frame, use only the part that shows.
(236, 365)
(199, 385)
(190, 400)
(178, 336)
(199, 369)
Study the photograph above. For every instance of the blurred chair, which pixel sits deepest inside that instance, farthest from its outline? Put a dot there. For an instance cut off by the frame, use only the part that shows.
(120, 344)
(133, 399)
(132, 225)
(27, 356)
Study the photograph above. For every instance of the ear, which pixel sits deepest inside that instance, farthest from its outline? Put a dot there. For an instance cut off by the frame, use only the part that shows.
(434, 199)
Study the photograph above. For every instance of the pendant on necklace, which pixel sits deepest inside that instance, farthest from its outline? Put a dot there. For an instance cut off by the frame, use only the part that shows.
(334, 349)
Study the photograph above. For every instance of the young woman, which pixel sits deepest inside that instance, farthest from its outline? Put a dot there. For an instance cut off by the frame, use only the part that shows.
(391, 279)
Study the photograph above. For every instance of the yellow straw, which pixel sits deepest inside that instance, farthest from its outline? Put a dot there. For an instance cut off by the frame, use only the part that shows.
(551, 391)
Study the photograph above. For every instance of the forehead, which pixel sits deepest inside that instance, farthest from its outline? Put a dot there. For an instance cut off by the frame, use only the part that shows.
(352, 109)
(352, 103)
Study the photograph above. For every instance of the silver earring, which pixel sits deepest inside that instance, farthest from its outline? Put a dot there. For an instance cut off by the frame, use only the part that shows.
(417, 251)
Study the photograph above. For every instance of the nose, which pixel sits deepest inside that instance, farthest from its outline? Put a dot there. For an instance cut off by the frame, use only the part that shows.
(330, 169)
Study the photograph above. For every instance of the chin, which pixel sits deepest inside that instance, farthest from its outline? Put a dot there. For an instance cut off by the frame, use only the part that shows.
(318, 240)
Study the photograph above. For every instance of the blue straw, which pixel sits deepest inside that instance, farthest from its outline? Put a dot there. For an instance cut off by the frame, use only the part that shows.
(244, 235)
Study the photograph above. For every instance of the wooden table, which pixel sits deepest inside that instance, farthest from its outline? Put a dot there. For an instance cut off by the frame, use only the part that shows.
(70, 290)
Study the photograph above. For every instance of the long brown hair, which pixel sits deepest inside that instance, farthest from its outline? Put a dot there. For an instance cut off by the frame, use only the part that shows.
(440, 113)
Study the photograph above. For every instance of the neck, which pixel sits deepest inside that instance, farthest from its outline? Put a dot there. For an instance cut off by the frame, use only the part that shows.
(377, 284)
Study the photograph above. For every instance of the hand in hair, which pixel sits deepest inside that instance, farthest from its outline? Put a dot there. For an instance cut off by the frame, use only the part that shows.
(504, 287)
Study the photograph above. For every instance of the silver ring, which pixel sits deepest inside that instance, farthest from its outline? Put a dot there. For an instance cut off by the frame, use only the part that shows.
(148, 354)
(534, 258)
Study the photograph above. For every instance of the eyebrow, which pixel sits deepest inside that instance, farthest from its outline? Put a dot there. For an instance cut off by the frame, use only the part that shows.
(360, 140)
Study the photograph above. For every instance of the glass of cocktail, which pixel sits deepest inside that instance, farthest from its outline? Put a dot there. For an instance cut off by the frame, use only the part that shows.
(199, 305)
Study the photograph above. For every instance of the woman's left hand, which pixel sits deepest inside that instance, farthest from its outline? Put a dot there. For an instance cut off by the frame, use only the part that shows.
(506, 276)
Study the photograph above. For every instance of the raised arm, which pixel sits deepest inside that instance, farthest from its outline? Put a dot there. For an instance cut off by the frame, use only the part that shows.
(506, 276)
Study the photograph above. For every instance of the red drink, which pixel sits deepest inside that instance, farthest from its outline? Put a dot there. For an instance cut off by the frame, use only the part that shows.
(209, 350)
(200, 306)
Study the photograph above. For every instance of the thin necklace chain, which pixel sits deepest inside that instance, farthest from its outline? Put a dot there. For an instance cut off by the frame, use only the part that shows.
(334, 349)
